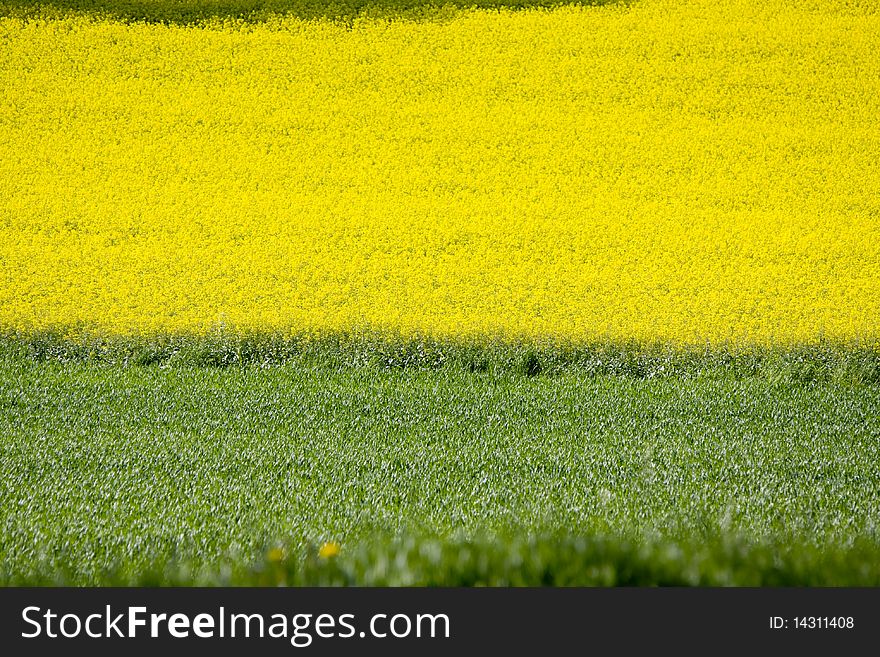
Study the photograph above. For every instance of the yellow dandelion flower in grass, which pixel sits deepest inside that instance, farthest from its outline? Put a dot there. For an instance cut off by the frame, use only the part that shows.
(329, 550)
(275, 555)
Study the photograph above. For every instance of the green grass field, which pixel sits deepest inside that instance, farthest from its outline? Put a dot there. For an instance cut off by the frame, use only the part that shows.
(734, 469)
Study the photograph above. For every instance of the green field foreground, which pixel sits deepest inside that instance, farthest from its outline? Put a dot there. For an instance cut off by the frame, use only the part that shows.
(174, 473)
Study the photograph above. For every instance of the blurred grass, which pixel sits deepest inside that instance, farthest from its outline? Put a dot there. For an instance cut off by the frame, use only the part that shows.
(524, 560)
(561, 560)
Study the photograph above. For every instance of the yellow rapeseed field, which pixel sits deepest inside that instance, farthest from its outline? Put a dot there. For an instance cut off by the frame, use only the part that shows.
(681, 171)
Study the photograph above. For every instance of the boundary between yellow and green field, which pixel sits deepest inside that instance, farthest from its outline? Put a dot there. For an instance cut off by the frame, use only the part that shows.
(229, 12)
(856, 362)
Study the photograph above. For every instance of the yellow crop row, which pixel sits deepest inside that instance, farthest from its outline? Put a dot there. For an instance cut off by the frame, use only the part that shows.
(666, 170)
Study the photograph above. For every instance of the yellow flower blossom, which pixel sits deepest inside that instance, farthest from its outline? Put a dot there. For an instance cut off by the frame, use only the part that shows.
(661, 170)
(328, 550)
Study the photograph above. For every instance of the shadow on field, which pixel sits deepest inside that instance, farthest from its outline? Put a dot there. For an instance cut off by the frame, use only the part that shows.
(184, 12)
